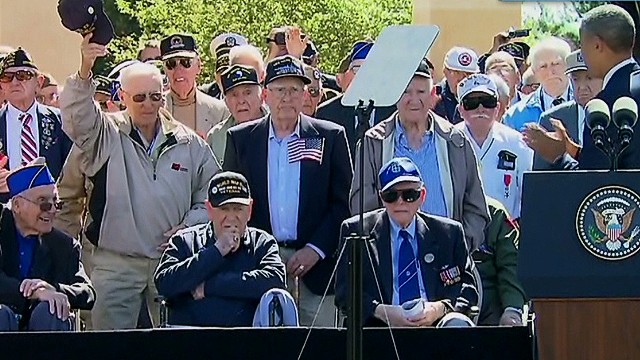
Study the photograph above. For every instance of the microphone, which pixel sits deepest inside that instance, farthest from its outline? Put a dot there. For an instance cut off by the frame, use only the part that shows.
(597, 120)
(625, 116)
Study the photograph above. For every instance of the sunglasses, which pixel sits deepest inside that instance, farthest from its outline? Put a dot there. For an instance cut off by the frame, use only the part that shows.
(173, 63)
(45, 206)
(488, 102)
(154, 96)
(21, 75)
(314, 92)
(408, 195)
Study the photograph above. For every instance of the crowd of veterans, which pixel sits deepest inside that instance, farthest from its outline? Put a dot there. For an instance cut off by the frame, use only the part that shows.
(146, 183)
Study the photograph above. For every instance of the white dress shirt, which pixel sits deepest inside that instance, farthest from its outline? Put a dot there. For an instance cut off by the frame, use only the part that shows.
(14, 134)
(613, 70)
(502, 185)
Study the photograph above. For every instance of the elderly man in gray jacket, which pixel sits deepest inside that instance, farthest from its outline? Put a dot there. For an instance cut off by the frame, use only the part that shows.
(442, 153)
(150, 175)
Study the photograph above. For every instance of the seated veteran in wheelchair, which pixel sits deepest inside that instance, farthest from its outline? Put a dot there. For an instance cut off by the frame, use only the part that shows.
(224, 273)
(41, 276)
(503, 297)
(420, 261)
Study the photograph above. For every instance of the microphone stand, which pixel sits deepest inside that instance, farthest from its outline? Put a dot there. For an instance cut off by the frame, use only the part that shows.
(356, 246)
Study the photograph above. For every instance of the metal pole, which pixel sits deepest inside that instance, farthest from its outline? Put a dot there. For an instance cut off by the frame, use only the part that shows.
(354, 315)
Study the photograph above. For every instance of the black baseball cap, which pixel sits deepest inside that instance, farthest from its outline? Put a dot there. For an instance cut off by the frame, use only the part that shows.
(178, 45)
(86, 16)
(239, 75)
(103, 84)
(423, 70)
(17, 58)
(514, 50)
(229, 188)
(285, 66)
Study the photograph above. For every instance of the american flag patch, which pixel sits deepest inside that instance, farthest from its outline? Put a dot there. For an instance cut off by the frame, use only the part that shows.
(306, 149)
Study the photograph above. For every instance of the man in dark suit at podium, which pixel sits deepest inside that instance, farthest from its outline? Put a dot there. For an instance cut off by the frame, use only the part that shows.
(607, 36)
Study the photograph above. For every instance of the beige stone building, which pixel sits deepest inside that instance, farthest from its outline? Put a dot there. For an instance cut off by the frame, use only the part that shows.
(35, 25)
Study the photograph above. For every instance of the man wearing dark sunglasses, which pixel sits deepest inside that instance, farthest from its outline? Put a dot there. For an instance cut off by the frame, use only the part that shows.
(502, 154)
(422, 264)
(185, 102)
(41, 276)
(28, 129)
(149, 175)
(443, 154)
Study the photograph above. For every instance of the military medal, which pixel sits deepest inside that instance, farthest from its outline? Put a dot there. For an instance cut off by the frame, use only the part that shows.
(507, 183)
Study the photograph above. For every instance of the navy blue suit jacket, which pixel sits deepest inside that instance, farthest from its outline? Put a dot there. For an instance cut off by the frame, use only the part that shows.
(324, 186)
(441, 237)
(54, 143)
(593, 158)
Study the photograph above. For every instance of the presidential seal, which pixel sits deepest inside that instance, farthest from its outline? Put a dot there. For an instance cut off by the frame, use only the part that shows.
(607, 223)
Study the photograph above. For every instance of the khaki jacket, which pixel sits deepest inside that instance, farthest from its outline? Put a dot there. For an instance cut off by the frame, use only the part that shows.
(74, 191)
(463, 192)
(144, 196)
(209, 111)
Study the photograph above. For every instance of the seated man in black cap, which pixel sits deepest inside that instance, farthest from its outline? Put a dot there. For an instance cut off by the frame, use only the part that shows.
(215, 274)
(41, 276)
(29, 129)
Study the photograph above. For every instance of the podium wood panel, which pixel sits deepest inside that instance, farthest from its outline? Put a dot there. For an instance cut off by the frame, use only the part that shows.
(586, 329)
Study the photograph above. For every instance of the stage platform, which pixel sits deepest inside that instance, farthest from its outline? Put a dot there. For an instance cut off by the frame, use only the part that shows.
(490, 343)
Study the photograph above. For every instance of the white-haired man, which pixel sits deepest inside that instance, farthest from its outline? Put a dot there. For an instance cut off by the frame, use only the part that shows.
(548, 63)
(503, 64)
(248, 55)
(152, 169)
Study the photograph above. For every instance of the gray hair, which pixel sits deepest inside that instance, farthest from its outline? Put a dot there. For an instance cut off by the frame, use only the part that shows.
(137, 70)
(555, 44)
(502, 86)
(613, 25)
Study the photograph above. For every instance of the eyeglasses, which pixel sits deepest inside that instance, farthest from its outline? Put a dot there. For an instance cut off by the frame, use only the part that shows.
(408, 195)
(153, 96)
(282, 91)
(488, 102)
(533, 86)
(48, 97)
(173, 63)
(314, 92)
(45, 206)
(354, 68)
(153, 59)
(21, 75)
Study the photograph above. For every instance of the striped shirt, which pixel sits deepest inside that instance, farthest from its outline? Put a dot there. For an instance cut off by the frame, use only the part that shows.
(426, 159)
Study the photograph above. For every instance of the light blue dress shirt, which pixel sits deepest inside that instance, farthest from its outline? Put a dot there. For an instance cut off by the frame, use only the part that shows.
(426, 159)
(395, 253)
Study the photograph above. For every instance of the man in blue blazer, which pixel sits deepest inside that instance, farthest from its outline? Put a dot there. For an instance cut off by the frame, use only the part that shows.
(28, 129)
(418, 260)
(607, 36)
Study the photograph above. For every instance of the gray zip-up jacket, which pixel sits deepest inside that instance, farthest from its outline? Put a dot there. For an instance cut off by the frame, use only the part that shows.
(137, 198)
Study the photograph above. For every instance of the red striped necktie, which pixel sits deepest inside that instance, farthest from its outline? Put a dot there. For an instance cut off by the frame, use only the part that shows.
(28, 144)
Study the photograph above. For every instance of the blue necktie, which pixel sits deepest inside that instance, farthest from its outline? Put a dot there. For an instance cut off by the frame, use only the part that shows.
(408, 285)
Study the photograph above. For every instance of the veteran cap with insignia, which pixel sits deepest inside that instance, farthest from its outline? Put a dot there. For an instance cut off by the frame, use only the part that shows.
(239, 75)
(18, 58)
(423, 70)
(477, 83)
(178, 45)
(222, 60)
(226, 41)
(461, 59)
(32, 175)
(285, 66)
(310, 52)
(229, 188)
(575, 62)
(103, 84)
(86, 16)
(398, 170)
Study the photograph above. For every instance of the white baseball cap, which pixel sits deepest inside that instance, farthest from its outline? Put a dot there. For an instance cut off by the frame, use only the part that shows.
(575, 62)
(227, 40)
(462, 59)
(477, 83)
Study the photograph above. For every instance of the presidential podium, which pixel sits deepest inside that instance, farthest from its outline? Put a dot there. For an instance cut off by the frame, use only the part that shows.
(579, 262)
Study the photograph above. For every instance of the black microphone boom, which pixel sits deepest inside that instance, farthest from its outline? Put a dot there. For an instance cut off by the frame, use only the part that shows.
(625, 116)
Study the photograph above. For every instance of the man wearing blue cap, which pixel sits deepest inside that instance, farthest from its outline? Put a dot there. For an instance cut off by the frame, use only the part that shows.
(299, 171)
(420, 261)
(334, 111)
(41, 276)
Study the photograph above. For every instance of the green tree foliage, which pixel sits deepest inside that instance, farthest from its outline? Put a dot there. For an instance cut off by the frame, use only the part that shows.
(333, 25)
